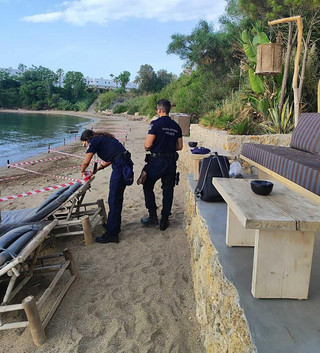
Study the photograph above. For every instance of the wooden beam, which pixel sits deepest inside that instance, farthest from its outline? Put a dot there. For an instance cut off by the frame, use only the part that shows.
(14, 325)
(48, 291)
(296, 62)
(57, 302)
(103, 213)
(13, 307)
(290, 184)
(319, 96)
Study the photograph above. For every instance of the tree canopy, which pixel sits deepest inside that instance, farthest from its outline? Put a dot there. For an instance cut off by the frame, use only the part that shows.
(124, 78)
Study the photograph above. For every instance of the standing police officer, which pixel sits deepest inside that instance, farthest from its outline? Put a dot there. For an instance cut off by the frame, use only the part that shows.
(163, 140)
(111, 151)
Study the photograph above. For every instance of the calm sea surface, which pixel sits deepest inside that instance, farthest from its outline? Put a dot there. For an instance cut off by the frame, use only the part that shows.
(24, 135)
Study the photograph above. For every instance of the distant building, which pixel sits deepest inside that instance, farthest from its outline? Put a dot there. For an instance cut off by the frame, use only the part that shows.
(105, 83)
(91, 82)
(11, 71)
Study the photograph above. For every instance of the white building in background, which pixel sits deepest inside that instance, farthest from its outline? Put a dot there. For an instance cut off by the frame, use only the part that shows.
(11, 71)
(105, 83)
(91, 82)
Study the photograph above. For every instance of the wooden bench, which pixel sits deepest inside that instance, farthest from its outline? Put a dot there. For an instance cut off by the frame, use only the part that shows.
(281, 227)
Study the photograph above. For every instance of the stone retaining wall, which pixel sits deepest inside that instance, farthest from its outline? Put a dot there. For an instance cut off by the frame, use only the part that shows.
(221, 318)
(232, 143)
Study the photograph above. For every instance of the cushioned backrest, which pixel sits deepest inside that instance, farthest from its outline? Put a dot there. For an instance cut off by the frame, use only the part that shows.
(306, 136)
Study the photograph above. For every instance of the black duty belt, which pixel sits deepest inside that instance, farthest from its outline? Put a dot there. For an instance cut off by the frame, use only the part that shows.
(162, 155)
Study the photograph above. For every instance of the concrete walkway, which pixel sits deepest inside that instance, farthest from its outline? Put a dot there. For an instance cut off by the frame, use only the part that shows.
(276, 326)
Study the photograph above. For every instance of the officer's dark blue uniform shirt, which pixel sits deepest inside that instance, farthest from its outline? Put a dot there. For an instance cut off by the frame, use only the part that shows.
(167, 132)
(105, 147)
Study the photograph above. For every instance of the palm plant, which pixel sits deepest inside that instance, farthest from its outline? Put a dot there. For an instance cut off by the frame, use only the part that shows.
(280, 123)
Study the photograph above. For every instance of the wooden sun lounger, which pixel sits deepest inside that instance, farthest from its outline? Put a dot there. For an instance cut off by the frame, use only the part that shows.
(74, 213)
(27, 264)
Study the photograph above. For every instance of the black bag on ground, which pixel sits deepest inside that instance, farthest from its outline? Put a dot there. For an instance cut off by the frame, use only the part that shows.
(213, 166)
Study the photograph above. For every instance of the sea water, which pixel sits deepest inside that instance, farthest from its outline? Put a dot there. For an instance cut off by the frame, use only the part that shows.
(23, 135)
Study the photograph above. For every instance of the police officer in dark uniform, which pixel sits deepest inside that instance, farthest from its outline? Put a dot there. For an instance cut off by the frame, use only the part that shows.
(110, 151)
(163, 140)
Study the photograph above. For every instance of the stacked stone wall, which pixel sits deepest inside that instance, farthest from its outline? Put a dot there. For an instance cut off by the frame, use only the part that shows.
(222, 320)
(232, 143)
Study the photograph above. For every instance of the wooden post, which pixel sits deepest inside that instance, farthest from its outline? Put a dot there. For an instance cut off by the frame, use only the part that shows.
(296, 63)
(319, 96)
(103, 213)
(36, 327)
(73, 268)
(87, 232)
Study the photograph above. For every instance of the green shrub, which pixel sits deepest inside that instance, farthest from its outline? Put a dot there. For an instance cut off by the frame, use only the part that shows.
(223, 121)
(120, 108)
(207, 120)
(107, 99)
(133, 108)
(81, 106)
(64, 105)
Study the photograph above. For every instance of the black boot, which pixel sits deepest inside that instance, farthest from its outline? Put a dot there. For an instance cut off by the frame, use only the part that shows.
(164, 223)
(104, 225)
(107, 239)
(152, 220)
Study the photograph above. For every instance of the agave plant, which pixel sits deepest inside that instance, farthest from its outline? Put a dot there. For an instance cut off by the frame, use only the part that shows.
(280, 123)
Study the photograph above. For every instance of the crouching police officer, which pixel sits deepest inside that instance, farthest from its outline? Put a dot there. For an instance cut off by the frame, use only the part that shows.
(111, 151)
(163, 140)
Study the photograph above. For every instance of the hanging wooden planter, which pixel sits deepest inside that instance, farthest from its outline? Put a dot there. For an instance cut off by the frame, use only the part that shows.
(269, 59)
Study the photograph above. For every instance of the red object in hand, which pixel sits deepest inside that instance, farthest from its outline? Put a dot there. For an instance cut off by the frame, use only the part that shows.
(87, 175)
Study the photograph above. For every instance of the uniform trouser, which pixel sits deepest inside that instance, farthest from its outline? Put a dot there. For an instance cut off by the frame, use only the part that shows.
(164, 168)
(115, 200)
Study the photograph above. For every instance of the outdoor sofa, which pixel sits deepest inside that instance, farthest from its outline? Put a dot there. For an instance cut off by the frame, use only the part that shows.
(297, 166)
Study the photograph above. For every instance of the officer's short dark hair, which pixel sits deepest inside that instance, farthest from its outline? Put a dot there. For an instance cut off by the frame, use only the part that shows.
(164, 105)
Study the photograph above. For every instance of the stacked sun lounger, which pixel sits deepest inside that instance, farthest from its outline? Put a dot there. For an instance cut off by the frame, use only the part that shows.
(22, 235)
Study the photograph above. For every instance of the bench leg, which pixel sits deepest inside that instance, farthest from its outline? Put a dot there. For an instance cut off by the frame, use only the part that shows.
(196, 164)
(236, 234)
(282, 264)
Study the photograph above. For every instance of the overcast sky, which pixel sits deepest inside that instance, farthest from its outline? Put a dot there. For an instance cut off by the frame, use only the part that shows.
(98, 37)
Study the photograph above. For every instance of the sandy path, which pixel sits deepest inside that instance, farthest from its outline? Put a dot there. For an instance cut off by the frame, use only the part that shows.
(135, 296)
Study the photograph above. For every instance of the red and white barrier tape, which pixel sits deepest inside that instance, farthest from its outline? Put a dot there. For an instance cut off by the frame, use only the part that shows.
(66, 154)
(33, 192)
(10, 178)
(119, 132)
(25, 169)
(37, 161)
(65, 147)
(44, 174)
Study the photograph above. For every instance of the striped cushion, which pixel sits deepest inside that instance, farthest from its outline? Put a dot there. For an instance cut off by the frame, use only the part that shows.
(306, 136)
(303, 168)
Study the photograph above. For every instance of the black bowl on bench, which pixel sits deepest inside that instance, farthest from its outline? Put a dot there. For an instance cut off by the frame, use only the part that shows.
(261, 187)
(192, 144)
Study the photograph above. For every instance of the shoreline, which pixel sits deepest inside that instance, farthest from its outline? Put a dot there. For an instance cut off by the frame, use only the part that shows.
(26, 174)
(90, 124)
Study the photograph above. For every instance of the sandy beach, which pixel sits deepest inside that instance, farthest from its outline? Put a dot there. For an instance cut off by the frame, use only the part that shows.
(136, 296)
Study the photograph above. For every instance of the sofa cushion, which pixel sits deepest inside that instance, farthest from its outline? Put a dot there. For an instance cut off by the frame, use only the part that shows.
(306, 136)
(303, 168)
